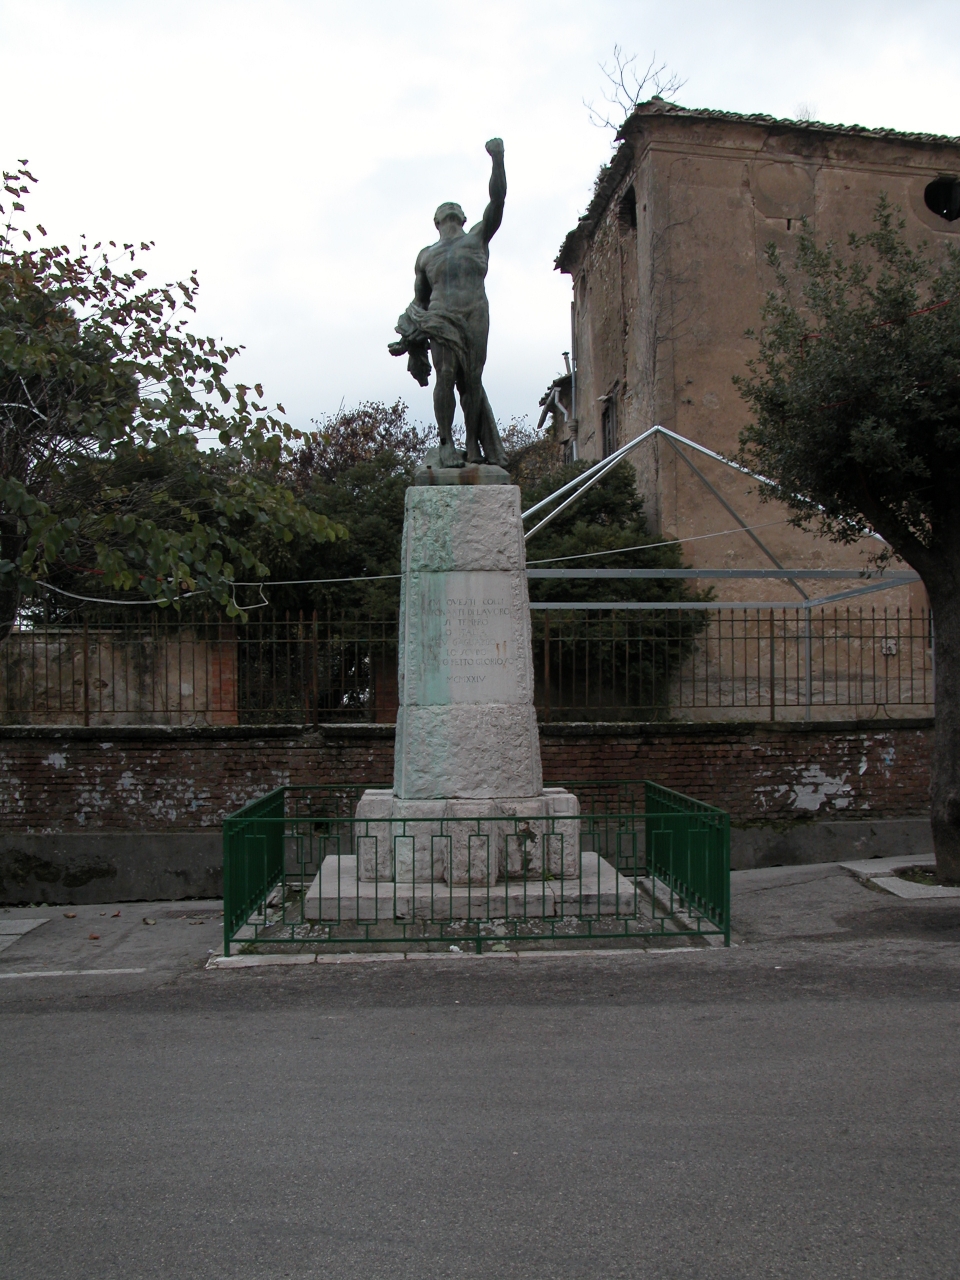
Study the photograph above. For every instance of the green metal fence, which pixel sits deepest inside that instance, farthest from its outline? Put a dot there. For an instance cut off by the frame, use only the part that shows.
(252, 858)
(301, 870)
(688, 849)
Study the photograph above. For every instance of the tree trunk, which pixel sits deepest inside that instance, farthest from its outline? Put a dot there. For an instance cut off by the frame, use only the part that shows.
(945, 771)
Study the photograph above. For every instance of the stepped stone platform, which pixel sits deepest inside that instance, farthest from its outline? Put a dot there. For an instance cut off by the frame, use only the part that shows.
(467, 841)
(339, 894)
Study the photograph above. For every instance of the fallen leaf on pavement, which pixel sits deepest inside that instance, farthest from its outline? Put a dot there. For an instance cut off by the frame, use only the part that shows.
(114, 916)
(94, 937)
(147, 920)
(70, 915)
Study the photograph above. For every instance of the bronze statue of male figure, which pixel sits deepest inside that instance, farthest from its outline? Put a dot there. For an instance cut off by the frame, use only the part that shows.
(449, 313)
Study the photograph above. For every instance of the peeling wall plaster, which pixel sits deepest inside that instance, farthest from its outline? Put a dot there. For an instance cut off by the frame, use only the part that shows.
(817, 787)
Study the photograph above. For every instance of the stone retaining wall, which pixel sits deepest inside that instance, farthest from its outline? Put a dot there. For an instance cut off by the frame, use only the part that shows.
(795, 792)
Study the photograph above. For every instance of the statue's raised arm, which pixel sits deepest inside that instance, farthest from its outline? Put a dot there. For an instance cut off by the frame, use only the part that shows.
(493, 214)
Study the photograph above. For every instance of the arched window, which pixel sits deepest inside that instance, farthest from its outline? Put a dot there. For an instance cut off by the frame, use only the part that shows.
(608, 425)
(627, 210)
(942, 197)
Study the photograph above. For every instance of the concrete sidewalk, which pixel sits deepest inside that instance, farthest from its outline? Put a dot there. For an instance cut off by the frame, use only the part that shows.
(827, 903)
(133, 944)
(773, 908)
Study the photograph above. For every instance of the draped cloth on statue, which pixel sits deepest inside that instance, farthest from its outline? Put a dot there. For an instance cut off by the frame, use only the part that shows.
(418, 327)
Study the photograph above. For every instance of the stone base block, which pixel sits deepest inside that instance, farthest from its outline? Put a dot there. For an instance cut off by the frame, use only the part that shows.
(467, 842)
(470, 751)
(450, 527)
(338, 894)
(469, 473)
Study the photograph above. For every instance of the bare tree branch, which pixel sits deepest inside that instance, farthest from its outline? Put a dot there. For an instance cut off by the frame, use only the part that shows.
(626, 89)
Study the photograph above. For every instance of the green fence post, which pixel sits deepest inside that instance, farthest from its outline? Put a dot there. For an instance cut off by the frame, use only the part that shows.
(726, 879)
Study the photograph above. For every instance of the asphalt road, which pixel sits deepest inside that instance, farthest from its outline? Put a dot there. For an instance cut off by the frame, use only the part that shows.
(787, 1108)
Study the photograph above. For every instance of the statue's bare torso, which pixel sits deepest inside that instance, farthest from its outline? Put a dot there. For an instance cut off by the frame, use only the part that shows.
(450, 275)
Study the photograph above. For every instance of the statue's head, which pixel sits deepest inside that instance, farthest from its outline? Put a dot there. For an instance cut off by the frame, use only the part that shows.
(449, 209)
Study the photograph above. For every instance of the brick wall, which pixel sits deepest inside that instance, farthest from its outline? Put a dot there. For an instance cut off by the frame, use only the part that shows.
(75, 779)
(758, 772)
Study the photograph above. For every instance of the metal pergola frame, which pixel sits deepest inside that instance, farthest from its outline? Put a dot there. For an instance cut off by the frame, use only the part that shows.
(580, 484)
(592, 475)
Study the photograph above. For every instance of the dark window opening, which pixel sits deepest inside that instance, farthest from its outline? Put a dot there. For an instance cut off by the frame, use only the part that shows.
(627, 210)
(609, 428)
(942, 197)
(570, 451)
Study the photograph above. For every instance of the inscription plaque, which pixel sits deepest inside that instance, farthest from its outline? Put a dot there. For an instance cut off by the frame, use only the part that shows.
(468, 643)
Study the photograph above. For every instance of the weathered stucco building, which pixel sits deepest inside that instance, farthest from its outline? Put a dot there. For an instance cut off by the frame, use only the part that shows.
(669, 272)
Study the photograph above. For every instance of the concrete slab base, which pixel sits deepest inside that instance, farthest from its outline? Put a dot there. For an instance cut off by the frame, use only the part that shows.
(338, 894)
(908, 889)
(881, 872)
(453, 956)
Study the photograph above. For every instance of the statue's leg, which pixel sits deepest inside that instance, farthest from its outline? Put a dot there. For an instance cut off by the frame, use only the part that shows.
(470, 402)
(483, 440)
(444, 401)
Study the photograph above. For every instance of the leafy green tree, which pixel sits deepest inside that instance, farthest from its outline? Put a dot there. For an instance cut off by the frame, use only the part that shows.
(353, 471)
(855, 394)
(605, 529)
(104, 392)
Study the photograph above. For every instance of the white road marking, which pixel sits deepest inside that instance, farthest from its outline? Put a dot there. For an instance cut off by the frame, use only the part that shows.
(66, 973)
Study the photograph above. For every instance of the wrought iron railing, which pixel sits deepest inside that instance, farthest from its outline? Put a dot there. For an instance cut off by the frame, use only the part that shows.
(590, 664)
(768, 663)
(301, 871)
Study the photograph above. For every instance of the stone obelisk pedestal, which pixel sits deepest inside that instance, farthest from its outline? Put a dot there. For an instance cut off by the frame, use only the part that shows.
(467, 727)
(467, 742)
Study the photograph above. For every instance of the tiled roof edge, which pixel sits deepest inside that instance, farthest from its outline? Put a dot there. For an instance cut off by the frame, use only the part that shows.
(610, 176)
(661, 107)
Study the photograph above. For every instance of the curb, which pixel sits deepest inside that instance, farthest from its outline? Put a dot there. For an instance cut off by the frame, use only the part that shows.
(392, 957)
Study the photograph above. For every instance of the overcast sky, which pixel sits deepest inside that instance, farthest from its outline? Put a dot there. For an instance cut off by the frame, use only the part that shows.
(294, 152)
